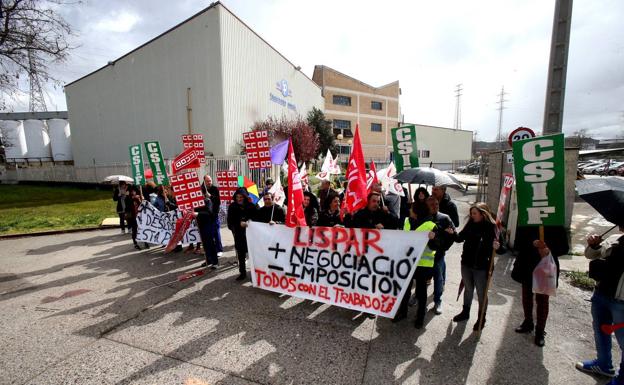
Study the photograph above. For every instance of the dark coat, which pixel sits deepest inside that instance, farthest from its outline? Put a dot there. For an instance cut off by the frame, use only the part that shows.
(214, 196)
(329, 219)
(263, 214)
(556, 238)
(478, 239)
(206, 214)
(446, 240)
(120, 208)
(237, 214)
(368, 219)
(448, 207)
(311, 215)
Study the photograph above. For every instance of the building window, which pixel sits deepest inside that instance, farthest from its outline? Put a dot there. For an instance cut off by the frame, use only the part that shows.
(342, 100)
(376, 106)
(376, 127)
(423, 154)
(344, 149)
(343, 127)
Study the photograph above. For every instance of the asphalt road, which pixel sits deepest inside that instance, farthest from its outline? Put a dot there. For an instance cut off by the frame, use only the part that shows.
(86, 308)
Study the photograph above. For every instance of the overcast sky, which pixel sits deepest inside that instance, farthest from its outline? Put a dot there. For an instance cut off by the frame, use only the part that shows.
(429, 46)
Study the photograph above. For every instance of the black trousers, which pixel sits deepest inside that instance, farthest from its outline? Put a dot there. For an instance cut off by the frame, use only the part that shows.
(132, 223)
(122, 221)
(242, 269)
(421, 276)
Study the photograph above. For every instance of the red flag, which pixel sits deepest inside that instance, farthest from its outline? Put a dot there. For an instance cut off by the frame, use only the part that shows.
(294, 215)
(371, 177)
(356, 174)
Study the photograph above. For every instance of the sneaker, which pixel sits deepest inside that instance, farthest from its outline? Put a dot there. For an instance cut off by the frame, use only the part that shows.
(592, 367)
(437, 309)
(413, 300)
(220, 254)
(214, 267)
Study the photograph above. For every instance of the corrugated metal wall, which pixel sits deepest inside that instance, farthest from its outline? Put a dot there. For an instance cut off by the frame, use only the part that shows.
(251, 70)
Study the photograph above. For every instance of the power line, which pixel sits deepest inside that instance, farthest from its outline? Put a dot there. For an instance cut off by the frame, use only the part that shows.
(37, 100)
(458, 94)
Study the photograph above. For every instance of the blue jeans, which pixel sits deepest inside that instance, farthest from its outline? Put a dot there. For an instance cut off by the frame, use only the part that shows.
(439, 279)
(607, 311)
(214, 229)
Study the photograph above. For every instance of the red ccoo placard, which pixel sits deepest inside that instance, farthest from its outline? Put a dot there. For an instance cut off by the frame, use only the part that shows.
(187, 191)
(227, 182)
(195, 141)
(257, 149)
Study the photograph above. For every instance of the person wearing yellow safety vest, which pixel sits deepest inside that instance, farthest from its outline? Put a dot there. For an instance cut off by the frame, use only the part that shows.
(424, 270)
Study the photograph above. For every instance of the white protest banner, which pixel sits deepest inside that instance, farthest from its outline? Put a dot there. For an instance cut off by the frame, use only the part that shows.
(156, 227)
(366, 270)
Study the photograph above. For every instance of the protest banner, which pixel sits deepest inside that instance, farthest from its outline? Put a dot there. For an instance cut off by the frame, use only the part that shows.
(365, 270)
(405, 150)
(195, 141)
(187, 159)
(157, 227)
(540, 180)
(227, 182)
(257, 149)
(187, 191)
(157, 162)
(508, 181)
(136, 161)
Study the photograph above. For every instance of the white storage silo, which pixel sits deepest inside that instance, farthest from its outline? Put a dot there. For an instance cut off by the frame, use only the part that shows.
(14, 140)
(60, 140)
(37, 140)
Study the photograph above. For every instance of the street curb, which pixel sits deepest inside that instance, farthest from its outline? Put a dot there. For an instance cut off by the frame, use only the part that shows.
(53, 232)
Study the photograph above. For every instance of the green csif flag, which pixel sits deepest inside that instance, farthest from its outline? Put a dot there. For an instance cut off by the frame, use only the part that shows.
(136, 162)
(540, 180)
(157, 162)
(404, 143)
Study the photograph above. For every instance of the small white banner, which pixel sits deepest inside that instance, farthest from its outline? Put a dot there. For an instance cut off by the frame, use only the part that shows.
(156, 227)
(360, 269)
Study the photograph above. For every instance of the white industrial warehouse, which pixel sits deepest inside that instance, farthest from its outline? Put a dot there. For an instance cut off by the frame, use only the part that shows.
(235, 77)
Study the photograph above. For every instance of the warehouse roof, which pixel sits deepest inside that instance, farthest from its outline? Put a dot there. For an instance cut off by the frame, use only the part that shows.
(216, 3)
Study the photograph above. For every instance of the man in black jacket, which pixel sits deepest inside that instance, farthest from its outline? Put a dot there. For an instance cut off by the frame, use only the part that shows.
(214, 228)
(205, 218)
(446, 240)
(270, 212)
(373, 216)
(447, 206)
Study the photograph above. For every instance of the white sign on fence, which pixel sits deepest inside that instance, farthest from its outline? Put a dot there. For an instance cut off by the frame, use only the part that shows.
(156, 227)
(360, 269)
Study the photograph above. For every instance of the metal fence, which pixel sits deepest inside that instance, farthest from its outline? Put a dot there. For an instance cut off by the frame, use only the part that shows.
(50, 172)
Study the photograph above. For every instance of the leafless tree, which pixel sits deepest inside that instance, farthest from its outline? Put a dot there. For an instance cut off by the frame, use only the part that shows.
(33, 36)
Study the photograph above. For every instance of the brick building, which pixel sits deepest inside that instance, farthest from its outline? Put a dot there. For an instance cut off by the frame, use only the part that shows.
(349, 101)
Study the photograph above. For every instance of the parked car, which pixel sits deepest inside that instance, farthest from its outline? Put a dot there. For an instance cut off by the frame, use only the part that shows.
(590, 163)
(595, 169)
(620, 171)
(613, 168)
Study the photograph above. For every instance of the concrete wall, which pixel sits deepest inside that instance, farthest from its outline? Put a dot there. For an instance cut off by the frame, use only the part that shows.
(251, 71)
(498, 165)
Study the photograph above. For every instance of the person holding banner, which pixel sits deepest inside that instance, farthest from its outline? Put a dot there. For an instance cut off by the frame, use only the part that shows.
(270, 212)
(424, 270)
(529, 256)
(330, 216)
(239, 212)
(309, 210)
(479, 238)
(373, 216)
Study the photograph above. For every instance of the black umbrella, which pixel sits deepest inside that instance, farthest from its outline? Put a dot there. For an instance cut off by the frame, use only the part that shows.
(605, 195)
(428, 175)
